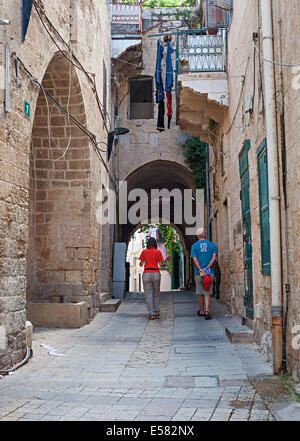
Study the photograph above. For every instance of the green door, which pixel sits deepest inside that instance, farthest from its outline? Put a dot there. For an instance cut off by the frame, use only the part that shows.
(246, 220)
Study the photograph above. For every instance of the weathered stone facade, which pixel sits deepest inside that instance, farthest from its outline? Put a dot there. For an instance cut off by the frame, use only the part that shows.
(50, 170)
(243, 125)
(245, 72)
(145, 143)
(148, 158)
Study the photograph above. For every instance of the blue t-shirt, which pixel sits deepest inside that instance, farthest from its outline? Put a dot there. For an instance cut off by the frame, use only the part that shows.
(204, 251)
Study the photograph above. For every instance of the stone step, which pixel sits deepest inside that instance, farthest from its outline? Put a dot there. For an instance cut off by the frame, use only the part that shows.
(238, 334)
(110, 305)
(103, 297)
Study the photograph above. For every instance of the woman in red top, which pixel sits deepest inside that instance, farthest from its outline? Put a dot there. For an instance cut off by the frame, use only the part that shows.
(151, 276)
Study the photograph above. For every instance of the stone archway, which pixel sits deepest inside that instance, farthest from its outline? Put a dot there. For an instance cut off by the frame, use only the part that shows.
(162, 174)
(184, 256)
(60, 265)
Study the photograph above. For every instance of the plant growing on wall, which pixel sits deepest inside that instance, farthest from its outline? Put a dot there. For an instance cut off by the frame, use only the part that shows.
(195, 157)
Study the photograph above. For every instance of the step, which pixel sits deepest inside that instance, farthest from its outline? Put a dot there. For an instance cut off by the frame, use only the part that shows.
(103, 297)
(110, 305)
(238, 334)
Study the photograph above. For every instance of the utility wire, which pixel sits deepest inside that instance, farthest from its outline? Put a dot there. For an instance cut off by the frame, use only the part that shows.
(90, 75)
(86, 131)
(240, 99)
(272, 61)
(140, 66)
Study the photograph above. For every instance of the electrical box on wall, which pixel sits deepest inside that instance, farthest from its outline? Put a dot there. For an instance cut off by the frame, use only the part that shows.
(248, 103)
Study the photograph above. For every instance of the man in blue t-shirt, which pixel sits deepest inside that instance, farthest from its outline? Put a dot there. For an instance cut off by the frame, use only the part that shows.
(204, 254)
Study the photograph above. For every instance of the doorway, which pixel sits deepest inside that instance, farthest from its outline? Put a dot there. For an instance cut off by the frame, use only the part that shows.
(246, 222)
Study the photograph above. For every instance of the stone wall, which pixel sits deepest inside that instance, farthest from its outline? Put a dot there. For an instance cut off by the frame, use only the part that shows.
(145, 143)
(50, 172)
(238, 127)
(288, 51)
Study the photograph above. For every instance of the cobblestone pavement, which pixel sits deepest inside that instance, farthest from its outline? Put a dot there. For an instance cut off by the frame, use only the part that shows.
(123, 367)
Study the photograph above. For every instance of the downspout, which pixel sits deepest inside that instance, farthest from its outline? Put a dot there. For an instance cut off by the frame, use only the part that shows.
(284, 202)
(207, 192)
(273, 180)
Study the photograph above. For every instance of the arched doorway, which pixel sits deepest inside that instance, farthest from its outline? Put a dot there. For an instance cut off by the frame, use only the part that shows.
(160, 175)
(173, 276)
(59, 255)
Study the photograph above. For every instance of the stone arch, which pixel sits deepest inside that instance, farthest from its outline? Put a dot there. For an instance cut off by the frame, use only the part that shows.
(159, 174)
(176, 228)
(59, 250)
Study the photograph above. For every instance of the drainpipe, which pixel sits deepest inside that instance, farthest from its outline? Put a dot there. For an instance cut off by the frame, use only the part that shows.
(207, 192)
(273, 179)
(285, 243)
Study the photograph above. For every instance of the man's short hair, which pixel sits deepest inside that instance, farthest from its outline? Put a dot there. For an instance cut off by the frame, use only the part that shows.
(201, 232)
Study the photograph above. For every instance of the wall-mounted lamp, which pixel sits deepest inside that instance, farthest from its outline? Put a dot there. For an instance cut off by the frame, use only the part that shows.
(111, 136)
(4, 22)
(110, 139)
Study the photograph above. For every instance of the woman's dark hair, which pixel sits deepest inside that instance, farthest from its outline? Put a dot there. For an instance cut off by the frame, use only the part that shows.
(151, 243)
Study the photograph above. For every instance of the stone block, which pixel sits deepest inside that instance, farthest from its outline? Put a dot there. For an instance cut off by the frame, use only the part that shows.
(239, 334)
(110, 305)
(58, 315)
(104, 296)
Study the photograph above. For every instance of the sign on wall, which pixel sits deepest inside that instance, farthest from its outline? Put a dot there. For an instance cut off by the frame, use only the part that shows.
(27, 109)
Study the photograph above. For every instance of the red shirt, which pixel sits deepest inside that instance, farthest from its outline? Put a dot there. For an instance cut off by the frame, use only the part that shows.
(151, 257)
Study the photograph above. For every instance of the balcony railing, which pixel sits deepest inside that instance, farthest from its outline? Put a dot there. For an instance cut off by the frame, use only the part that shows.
(126, 18)
(197, 52)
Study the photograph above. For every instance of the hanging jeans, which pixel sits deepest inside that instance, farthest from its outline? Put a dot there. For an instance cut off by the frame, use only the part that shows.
(151, 283)
(161, 116)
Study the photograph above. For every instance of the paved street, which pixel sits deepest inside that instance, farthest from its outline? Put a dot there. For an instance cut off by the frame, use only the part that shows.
(123, 367)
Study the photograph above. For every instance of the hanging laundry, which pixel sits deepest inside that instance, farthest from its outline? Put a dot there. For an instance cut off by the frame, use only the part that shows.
(160, 96)
(169, 82)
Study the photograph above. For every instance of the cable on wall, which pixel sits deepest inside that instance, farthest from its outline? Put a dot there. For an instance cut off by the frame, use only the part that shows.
(272, 61)
(89, 75)
(84, 129)
(240, 99)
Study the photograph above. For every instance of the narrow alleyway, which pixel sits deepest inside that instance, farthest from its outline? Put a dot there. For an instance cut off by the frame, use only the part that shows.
(123, 367)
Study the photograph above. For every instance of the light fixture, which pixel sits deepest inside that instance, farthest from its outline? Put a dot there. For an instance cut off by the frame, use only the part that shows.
(4, 22)
(111, 136)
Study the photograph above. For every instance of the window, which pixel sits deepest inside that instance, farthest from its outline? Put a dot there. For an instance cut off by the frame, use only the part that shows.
(141, 98)
(218, 13)
(263, 189)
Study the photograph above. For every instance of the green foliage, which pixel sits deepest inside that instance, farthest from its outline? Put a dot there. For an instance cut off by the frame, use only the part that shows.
(195, 157)
(150, 4)
(213, 131)
(171, 240)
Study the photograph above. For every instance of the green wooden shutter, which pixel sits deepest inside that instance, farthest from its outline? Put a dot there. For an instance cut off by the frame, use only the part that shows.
(263, 188)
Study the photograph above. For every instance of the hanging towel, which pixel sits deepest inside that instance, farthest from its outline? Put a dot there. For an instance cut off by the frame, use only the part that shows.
(169, 82)
(160, 96)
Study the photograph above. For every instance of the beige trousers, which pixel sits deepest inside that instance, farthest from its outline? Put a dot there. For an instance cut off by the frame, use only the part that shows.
(151, 283)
